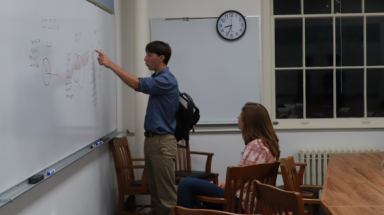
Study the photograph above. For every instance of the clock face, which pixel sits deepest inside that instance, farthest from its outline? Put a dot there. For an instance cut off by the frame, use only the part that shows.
(231, 25)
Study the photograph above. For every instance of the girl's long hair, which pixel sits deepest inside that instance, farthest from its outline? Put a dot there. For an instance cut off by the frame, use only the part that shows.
(258, 125)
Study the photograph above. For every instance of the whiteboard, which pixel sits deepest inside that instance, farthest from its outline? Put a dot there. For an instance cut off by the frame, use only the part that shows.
(220, 76)
(55, 98)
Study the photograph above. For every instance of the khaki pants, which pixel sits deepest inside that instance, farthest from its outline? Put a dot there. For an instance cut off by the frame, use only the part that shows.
(160, 152)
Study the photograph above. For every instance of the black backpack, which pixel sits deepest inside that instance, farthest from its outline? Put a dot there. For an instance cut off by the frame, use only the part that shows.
(186, 118)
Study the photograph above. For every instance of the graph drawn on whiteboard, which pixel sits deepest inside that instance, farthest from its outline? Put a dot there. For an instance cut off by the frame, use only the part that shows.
(46, 71)
(78, 70)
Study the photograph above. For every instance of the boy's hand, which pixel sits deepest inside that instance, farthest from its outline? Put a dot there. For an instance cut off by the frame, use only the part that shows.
(103, 59)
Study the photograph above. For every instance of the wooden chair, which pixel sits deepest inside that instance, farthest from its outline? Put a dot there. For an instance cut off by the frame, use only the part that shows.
(293, 182)
(238, 176)
(183, 167)
(300, 174)
(177, 210)
(274, 201)
(127, 185)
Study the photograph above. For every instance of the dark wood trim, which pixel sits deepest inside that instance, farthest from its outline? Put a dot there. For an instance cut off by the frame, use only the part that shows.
(101, 6)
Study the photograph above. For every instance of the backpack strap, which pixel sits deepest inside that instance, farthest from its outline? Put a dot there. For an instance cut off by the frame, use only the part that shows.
(189, 123)
(191, 102)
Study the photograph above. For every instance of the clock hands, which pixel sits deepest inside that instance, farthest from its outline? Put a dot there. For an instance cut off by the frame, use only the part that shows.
(230, 26)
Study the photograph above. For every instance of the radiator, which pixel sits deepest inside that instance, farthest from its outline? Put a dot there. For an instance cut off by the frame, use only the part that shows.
(317, 162)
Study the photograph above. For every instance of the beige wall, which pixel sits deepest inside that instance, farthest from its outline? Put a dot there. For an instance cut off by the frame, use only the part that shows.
(88, 186)
(200, 8)
(225, 144)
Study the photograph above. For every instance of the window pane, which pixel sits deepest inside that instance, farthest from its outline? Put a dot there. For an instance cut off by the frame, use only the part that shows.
(289, 94)
(318, 42)
(316, 7)
(350, 93)
(374, 6)
(283, 7)
(375, 41)
(349, 42)
(319, 93)
(375, 93)
(350, 6)
(289, 43)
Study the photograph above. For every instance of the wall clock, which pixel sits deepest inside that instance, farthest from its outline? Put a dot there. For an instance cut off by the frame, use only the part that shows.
(231, 25)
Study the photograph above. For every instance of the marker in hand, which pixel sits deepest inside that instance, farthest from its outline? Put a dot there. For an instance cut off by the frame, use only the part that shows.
(50, 172)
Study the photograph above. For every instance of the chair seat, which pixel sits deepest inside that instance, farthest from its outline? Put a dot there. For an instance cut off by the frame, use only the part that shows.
(314, 193)
(195, 174)
(136, 183)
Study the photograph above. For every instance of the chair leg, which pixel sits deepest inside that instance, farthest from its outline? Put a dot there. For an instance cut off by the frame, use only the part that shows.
(130, 204)
(216, 181)
(310, 209)
(316, 209)
(120, 204)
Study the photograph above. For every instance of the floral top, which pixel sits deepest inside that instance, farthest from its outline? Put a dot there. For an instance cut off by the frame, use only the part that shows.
(255, 152)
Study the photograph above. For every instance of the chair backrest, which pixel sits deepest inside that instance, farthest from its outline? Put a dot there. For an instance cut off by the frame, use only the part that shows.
(290, 176)
(177, 210)
(183, 158)
(122, 157)
(238, 176)
(274, 201)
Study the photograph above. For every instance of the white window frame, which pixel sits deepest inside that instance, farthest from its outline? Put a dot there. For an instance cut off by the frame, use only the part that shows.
(268, 66)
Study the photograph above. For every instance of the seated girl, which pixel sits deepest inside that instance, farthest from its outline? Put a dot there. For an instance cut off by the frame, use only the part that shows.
(261, 146)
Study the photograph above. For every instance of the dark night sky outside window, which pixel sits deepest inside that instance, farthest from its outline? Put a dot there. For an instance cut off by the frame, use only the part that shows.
(328, 59)
(288, 43)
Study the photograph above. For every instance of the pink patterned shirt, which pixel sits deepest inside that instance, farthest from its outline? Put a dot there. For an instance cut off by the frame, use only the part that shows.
(255, 152)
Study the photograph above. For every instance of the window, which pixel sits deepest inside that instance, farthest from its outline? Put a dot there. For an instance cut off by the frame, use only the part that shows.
(327, 62)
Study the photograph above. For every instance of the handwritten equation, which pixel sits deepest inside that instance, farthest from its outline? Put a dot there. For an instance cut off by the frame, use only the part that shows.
(50, 23)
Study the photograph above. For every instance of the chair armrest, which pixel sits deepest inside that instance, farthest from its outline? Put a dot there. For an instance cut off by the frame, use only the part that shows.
(311, 187)
(301, 164)
(138, 159)
(209, 159)
(312, 201)
(212, 199)
(202, 153)
(129, 166)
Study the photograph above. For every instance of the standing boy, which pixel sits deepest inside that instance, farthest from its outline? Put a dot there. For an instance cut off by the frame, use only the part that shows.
(160, 123)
